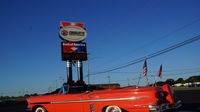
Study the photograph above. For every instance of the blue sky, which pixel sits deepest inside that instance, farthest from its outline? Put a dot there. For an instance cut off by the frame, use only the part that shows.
(118, 32)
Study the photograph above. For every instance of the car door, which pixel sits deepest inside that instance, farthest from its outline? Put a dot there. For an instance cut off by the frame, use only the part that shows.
(88, 104)
(92, 103)
(69, 103)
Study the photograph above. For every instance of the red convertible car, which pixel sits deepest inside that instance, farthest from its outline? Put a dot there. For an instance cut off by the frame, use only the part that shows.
(127, 99)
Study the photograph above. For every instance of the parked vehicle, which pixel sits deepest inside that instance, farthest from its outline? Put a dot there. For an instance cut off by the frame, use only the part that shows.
(127, 99)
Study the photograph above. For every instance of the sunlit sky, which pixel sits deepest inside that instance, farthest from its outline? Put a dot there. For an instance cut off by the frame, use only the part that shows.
(119, 31)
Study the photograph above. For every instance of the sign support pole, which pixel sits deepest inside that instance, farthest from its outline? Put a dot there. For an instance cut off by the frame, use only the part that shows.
(80, 71)
(69, 72)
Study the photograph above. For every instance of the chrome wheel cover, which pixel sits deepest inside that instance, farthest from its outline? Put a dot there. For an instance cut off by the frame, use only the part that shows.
(113, 109)
(40, 109)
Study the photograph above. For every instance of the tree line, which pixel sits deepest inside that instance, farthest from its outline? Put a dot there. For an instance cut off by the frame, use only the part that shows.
(179, 80)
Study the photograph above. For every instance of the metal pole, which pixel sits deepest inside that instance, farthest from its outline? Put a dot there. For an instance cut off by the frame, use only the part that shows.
(88, 68)
(109, 81)
(128, 81)
(139, 80)
(56, 83)
(147, 81)
(69, 72)
(80, 71)
(154, 80)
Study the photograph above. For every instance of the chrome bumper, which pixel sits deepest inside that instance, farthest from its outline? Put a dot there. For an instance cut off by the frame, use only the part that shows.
(164, 107)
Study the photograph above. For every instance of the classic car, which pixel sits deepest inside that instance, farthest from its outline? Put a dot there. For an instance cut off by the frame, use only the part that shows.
(125, 99)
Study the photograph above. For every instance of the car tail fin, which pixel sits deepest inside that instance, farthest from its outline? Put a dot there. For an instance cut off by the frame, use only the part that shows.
(170, 93)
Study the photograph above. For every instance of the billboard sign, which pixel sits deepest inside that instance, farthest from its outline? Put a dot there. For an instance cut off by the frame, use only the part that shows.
(72, 31)
(74, 51)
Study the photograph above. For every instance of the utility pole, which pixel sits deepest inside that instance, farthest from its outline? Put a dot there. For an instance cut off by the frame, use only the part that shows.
(139, 79)
(61, 80)
(50, 89)
(109, 81)
(88, 71)
(128, 81)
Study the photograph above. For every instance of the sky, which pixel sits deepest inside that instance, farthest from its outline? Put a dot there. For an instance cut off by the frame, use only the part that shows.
(117, 32)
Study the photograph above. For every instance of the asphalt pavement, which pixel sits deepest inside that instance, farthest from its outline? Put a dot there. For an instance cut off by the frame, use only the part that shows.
(190, 97)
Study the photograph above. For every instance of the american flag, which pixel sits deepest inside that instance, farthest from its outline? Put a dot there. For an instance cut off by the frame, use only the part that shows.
(145, 68)
(160, 72)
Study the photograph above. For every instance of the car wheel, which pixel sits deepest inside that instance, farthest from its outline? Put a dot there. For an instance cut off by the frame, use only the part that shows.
(113, 109)
(40, 109)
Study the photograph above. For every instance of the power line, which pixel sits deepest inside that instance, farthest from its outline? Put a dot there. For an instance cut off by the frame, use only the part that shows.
(173, 47)
(165, 71)
(164, 75)
(172, 32)
(168, 34)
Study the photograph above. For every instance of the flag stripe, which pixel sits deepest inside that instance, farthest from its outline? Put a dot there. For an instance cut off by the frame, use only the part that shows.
(160, 72)
(145, 68)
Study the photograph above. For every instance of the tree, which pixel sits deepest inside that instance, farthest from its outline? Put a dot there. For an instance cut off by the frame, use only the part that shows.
(170, 81)
(179, 80)
(193, 79)
(160, 83)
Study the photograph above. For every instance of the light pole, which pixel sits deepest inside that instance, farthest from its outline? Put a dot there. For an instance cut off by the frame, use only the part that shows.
(88, 72)
(109, 81)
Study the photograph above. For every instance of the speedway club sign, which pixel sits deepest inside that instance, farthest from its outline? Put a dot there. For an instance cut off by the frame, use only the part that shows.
(73, 32)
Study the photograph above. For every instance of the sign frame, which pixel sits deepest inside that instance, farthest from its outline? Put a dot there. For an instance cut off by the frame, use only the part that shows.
(70, 53)
(72, 31)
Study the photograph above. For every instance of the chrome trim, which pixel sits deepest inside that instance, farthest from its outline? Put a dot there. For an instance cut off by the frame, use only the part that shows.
(164, 107)
(178, 104)
(41, 103)
(91, 107)
(98, 100)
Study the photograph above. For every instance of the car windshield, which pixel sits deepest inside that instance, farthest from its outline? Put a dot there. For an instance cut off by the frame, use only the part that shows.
(65, 89)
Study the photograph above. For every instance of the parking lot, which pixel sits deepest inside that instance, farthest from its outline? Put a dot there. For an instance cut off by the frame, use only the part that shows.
(190, 98)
